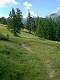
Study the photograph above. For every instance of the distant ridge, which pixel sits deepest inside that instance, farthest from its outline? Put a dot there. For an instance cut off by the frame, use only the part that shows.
(55, 16)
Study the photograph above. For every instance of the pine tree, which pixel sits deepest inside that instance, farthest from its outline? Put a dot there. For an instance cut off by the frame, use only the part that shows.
(34, 27)
(29, 22)
(15, 21)
(19, 20)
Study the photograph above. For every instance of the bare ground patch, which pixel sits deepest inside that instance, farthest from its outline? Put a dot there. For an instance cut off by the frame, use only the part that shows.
(27, 47)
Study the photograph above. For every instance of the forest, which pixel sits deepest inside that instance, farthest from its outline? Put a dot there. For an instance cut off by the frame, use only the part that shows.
(47, 28)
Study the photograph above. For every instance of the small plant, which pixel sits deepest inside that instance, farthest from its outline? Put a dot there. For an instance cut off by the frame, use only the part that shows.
(4, 37)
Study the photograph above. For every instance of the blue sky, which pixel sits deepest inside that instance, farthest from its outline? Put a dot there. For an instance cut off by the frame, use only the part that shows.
(36, 7)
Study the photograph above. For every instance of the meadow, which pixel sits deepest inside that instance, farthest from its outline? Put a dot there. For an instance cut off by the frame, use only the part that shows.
(28, 57)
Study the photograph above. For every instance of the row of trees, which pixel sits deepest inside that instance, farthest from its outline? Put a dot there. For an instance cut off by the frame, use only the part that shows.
(49, 29)
(42, 27)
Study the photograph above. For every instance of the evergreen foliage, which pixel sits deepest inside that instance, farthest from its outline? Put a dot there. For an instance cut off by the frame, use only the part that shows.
(15, 21)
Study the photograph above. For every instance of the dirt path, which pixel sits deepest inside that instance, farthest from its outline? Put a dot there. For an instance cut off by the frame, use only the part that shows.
(50, 70)
(27, 47)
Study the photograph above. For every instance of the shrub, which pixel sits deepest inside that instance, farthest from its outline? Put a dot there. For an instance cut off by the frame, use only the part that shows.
(4, 37)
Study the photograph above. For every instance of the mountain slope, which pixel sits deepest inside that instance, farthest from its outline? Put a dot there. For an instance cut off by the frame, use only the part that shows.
(28, 58)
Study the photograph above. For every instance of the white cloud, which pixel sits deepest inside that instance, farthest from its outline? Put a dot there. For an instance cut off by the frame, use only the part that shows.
(58, 11)
(27, 5)
(33, 14)
(5, 2)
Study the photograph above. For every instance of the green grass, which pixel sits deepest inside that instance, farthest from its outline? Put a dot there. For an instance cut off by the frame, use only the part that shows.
(28, 57)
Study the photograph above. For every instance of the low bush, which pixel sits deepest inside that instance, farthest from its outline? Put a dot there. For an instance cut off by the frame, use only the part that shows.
(4, 37)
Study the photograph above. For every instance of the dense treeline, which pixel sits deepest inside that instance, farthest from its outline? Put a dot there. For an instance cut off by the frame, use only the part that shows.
(42, 27)
(48, 28)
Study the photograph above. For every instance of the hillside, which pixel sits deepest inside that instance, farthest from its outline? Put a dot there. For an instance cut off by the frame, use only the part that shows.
(28, 57)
